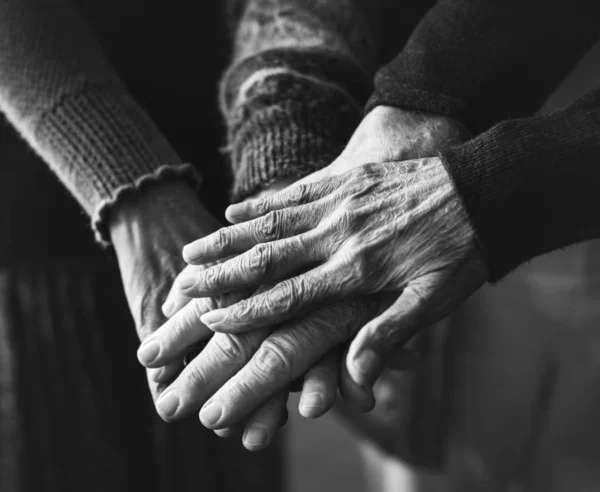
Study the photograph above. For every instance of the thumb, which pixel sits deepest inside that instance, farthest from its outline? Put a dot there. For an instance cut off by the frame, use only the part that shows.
(383, 338)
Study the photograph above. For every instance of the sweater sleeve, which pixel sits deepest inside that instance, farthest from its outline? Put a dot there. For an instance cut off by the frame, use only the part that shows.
(295, 91)
(532, 185)
(483, 61)
(61, 94)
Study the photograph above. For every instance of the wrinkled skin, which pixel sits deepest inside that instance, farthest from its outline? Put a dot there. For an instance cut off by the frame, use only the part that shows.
(293, 345)
(394, 227)
(148, 230)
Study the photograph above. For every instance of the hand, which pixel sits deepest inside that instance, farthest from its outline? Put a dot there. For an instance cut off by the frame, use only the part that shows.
(395, 227)
(235, 374)
(390, 134)
(320, 381)
(148, 229)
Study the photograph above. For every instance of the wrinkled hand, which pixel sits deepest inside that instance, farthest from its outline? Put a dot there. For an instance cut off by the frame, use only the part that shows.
(319, 382)
(412, 135)
(148, 229)
(395, 227)
(236, 373)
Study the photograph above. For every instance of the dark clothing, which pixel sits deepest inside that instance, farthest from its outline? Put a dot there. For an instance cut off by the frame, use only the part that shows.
(532, 185)
(529, 185)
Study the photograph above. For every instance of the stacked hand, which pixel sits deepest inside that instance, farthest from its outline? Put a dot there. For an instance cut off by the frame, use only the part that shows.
(367, 253)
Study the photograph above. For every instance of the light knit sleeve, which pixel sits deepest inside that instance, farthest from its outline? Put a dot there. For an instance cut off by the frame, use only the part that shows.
(300, 75)
(61, 94)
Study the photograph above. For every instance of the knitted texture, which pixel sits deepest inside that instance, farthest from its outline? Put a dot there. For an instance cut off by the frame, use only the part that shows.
(481, 62)
(63, 97)
(296, 88)
(531, 185)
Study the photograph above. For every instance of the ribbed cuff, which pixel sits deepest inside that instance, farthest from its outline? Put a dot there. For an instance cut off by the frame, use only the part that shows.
(289, 112)
(288, 140)
(530, 186)
(99, 218)
(102, 143)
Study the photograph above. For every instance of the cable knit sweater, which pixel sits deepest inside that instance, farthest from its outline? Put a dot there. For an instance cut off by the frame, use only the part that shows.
(294, 92)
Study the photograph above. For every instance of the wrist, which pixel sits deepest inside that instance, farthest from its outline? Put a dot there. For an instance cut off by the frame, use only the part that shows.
(388, 133)
(155, 208)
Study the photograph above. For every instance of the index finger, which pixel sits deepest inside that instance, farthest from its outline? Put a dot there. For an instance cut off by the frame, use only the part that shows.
(297, 194)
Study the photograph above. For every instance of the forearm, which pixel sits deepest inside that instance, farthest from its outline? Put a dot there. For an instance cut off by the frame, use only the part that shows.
(531, 185)
(481, 62)
(296, 87)
(59, 91)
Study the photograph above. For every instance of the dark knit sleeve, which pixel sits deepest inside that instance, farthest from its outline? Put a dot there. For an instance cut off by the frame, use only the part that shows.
(532, 185)
(61, 94)
(483, 61)
(296, 88)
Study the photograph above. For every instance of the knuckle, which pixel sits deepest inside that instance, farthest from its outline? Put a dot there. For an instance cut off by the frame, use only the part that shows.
(298, 194)
(210, 278)
(261, 206)
(259, 258)
(343, 217)
(269, 227)
(221, 240)
(355, 268)
(271, 360)
(242, 310)
(230, 347)
(284, 297)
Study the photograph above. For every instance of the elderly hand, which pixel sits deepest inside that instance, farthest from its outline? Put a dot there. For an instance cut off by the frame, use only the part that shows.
(148, 229)
(185, 330)
(395, 227)
(235, 374)
(418, 135)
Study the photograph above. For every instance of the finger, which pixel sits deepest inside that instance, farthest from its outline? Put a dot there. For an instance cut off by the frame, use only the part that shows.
(175, 336)
(262, 425)
(239, 238)
(221, 359)
(297, 194)
(284, 301)
(263, 264)
(378, 340)
(227, 432)
(286, 354)
(176, 299)
(166, 373)
(359, 398)
(320, 386)
(156, 388)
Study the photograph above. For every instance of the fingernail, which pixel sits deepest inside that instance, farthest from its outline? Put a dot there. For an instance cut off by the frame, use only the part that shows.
(167, 308)
(148, 351)
(167, 404)
(187, 280)
(367, 366)
(211, 413)
(256, 436)
(312, 401)
(193, 252)
(213, 316)
(234, 211)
